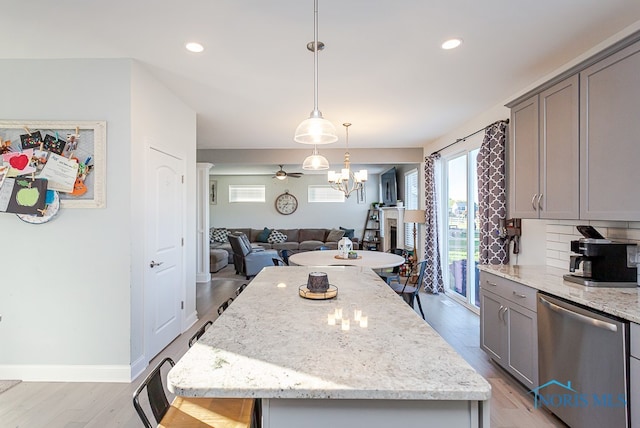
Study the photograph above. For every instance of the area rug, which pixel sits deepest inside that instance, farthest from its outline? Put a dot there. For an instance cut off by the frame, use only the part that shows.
(7, 384)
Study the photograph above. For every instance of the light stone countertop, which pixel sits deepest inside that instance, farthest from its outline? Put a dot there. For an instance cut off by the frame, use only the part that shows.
(621, 302)
(272, 343)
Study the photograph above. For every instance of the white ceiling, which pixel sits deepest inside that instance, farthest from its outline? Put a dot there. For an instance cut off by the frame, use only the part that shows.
(382, 70)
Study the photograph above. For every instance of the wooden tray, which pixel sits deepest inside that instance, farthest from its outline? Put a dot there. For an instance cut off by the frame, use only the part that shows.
(346, 258)
(329, 294)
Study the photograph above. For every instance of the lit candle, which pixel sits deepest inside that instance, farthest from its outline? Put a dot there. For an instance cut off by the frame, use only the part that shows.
(364, 321)
(338, 313)
(357, 313)
(345, 324)
(331, 319)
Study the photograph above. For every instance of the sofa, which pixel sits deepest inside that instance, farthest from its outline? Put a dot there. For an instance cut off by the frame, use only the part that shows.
(296, 240)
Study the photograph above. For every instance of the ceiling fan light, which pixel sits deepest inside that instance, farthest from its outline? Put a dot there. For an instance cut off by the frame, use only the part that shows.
(315, 130)
(281, 176)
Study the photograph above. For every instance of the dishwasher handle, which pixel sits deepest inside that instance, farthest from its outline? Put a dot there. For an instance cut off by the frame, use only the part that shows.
(578, 317)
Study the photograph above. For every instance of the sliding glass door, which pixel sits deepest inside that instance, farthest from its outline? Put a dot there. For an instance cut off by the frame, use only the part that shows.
(461, 240)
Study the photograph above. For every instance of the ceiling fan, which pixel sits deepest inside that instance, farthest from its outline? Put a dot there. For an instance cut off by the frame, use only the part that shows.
(282, 174)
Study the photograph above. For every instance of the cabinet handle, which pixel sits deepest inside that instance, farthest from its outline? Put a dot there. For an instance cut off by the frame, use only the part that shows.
(533, 202)
(504, 310)
(522, 296)
(500, 312)
(493, 284)
(540, 199)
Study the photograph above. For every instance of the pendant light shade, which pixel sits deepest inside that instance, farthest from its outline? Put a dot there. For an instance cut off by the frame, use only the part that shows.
(315, 129)
(315, 162)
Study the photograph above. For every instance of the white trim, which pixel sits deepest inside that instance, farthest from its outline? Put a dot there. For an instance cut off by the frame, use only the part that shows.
(67, 373)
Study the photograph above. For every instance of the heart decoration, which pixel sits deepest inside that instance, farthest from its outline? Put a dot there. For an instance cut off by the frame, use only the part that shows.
(19, 162)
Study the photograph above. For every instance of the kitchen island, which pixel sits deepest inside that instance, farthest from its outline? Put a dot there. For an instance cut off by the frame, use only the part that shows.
(310, 369)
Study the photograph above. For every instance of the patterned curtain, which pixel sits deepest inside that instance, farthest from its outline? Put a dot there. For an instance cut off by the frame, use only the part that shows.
(492, 194)
(433, 270)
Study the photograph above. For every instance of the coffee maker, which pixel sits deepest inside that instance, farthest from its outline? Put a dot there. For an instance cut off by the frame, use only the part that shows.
(604, 262)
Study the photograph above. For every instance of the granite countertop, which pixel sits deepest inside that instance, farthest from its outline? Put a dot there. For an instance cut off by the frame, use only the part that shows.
(621, 302)
(272, 343)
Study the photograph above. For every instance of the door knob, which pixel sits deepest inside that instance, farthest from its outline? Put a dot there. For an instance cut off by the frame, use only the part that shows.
(154, 264)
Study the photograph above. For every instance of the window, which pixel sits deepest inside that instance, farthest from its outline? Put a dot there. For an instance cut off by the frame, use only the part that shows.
(411, 203)
(324, 193)
(246, 193)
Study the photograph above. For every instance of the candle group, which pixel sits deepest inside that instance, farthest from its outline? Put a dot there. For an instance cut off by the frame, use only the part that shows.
(345, 323)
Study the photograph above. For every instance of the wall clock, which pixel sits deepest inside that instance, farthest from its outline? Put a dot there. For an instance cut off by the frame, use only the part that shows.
(286, 203)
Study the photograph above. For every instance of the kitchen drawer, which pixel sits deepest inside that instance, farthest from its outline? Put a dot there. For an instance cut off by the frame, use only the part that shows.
(635, 340)
(510, 290)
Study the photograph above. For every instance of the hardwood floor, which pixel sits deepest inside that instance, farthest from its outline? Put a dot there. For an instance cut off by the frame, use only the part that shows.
(100, 405)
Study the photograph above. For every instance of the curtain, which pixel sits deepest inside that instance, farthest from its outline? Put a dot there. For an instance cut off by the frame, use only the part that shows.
(492, 198)
(432, 281)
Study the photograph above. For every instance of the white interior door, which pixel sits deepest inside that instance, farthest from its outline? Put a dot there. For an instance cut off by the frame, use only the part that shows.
(164, 269)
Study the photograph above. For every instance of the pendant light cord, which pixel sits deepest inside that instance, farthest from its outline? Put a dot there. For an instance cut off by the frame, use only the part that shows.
(315, 56)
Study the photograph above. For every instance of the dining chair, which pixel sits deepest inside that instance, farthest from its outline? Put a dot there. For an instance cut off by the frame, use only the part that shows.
(223, 307)
(191, 412)
(199, 333)
(240, 289)
(394, 274)
(278, 262)
(410, 293)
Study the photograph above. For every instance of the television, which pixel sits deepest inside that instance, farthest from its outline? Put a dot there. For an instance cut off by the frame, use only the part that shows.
(389, 187)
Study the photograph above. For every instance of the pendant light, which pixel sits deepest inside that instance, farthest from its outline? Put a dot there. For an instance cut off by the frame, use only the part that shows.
(347, 181)
(316, 161)
(315, 129)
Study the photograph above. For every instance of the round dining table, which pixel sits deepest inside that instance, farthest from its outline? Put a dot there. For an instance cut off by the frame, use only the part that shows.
(371, 259)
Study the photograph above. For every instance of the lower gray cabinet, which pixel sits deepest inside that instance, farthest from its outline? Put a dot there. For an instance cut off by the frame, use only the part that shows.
(634, 376)
(509, 327)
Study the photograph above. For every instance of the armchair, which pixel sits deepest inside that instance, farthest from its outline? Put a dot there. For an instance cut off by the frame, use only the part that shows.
(249, 261)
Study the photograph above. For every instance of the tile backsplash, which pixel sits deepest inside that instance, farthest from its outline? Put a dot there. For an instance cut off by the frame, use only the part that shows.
(560, 233)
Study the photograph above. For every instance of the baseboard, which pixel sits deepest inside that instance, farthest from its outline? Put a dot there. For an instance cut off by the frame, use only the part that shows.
(138, 367)
(203, 277)
(190, 321)
(67, 373)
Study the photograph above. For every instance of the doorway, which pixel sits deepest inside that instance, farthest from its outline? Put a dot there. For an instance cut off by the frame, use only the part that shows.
(164, 285)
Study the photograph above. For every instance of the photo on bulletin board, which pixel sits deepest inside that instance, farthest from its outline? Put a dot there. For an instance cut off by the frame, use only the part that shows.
(71, 155)
(213, 196)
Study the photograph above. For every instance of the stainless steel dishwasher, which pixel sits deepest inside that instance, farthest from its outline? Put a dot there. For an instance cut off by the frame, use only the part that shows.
(583, 364)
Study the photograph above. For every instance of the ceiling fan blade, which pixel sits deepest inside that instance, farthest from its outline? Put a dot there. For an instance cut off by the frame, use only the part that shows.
(295, 174)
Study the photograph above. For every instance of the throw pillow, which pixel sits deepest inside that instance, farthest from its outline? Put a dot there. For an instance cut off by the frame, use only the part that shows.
(219, 235)
(335, 235)
(276, 237)
(264, 235)
(348, 233)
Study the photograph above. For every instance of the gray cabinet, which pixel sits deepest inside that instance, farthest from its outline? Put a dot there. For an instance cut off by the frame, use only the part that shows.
(610, 137)
(543, 154)
(634, 366)
(508, 326)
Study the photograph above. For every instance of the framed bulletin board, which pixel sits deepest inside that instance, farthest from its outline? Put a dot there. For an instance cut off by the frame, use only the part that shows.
(83, 141)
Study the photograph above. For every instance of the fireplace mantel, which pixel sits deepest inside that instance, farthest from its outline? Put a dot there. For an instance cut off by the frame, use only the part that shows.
(392, 216)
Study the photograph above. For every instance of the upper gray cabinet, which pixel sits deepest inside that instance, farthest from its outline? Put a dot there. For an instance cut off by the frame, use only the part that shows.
(610, 137)
(543, 154)
(574, 142)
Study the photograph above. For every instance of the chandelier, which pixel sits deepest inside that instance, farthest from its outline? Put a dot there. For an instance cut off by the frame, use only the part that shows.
(315, 129)
(347, 181)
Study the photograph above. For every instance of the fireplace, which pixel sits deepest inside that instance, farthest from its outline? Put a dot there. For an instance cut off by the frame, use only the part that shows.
(392, 232)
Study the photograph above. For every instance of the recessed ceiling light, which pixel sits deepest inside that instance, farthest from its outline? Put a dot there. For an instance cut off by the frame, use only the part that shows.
(194, 47)
(451, 44)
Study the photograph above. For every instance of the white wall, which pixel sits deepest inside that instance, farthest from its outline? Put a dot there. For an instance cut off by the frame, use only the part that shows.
(70, 289)
(348, 214)
(161, 120)
(65, 285)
